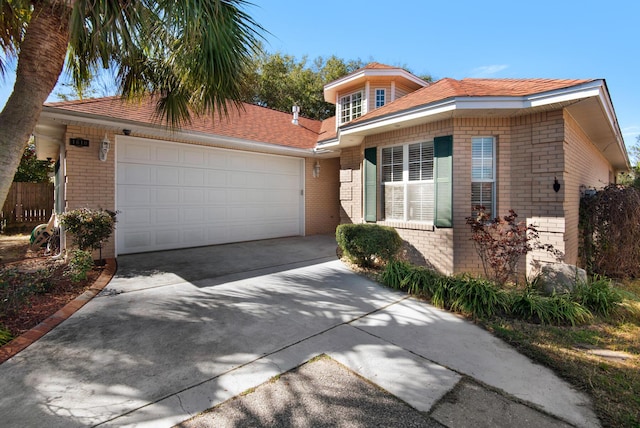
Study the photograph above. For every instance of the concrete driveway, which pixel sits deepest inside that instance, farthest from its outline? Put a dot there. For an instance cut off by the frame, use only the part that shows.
(177, 332)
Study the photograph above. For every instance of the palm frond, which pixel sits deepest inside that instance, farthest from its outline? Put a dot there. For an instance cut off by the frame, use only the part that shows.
(191, 56)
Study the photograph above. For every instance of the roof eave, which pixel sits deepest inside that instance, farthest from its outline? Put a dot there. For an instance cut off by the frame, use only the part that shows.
(451, 106)
(65, 117)
(331, 88)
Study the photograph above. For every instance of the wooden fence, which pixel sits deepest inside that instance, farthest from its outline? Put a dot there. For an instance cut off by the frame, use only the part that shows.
(27, 205)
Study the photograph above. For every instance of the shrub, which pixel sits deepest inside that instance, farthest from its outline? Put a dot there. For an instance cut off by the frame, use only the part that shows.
(90, 228)
(364, 243)
(610, 231)
(80, 263)
(501, 242)
(597, 295)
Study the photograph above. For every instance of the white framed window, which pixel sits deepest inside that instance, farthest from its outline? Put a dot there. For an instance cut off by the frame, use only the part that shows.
(381, 97)
(350, 107)
(408, 183)
(483, 173)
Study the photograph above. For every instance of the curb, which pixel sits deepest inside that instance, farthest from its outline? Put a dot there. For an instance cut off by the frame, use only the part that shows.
(27, 338)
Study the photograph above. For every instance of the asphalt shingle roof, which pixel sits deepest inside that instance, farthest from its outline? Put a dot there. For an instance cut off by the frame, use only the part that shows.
(265, 125)
(252, 122)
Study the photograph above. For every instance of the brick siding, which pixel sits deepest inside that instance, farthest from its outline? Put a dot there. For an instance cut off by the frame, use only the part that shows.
(322, 211)
(531, 152)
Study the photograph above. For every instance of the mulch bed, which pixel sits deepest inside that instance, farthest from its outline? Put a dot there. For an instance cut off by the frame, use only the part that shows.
(39, 307)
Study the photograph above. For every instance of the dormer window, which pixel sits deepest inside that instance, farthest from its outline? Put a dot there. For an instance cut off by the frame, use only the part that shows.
(350, 107)
(380, 97)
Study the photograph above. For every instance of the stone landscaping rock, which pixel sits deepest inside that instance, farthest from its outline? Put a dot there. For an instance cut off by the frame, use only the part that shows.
(561, 277)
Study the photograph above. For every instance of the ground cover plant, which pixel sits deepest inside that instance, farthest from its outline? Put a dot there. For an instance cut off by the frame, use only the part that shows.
(561, 331)
(33, 287)
(590, 337)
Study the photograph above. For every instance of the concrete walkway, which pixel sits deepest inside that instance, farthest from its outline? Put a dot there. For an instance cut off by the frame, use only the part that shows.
(178, 332)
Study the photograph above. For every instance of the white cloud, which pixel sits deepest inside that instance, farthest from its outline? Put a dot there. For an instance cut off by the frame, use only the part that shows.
(488, 70)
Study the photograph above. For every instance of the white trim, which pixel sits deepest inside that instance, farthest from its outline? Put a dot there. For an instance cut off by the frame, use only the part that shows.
(158, 131)
(369, 72)
(405, 183)
(393, 91)
(341, 106)
(493, 180)
(365, 100)
(585, 90)
(375, 97)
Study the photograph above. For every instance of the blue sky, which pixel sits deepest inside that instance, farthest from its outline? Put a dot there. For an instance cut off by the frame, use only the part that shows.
(458, 39)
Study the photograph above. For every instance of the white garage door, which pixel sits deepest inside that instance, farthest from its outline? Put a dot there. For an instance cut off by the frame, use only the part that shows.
(173, 195)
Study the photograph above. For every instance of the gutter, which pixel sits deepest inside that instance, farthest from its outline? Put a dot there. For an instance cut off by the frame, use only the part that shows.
(84, 119)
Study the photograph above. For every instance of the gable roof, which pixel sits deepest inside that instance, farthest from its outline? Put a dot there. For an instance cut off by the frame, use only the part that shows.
(251, 122)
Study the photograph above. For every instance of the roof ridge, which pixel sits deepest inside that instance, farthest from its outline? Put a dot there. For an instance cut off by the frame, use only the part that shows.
(83, 101)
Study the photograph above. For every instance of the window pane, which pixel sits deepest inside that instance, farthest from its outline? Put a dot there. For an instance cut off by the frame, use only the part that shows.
(482, 194)
(394, 201)
(380, 97)
(421, 201)
(482, 158)
(421, 161)
(356, 105)
(392, 164)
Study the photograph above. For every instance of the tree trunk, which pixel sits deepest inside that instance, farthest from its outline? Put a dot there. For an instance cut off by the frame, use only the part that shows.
(40, 61)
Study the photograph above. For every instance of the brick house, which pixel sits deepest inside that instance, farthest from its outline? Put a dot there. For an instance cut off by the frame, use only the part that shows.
(399, 152)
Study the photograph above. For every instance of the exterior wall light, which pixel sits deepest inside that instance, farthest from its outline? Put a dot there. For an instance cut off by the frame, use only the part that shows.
(105, 145)
(316, 169)
(556, 185)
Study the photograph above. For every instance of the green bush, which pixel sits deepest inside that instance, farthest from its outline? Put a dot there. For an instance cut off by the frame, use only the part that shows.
(597, 295)
(80, 263)
(90, 228)
(364, 244)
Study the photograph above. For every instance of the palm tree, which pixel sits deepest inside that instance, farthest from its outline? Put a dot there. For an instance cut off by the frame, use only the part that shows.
(189, 54)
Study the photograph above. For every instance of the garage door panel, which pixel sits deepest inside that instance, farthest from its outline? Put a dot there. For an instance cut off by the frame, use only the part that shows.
(174, 195)
(193, 177)
(134, 196)
(193, 195)
(216, 178)
(216, 196)
(194, 157)
(167, 238)
(167, 175)
(166, 216)
(136, 174)
(138, 152)
(162, 154)
(136, 216)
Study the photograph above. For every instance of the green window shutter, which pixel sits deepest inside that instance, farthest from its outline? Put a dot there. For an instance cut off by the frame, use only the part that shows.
(443, 163)
(370, 184)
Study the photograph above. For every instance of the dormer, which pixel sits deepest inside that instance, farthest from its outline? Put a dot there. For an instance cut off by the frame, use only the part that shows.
(369, 88)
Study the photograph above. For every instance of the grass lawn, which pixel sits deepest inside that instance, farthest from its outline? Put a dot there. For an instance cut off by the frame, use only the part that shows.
(572, 352)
